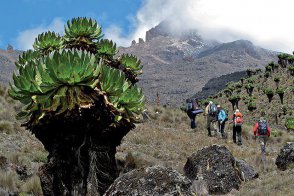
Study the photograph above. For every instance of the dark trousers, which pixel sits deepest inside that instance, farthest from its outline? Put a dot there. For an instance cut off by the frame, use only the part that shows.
(210, 119)
(221, 128)
(192, 118)
(262, 139)
(237, 132)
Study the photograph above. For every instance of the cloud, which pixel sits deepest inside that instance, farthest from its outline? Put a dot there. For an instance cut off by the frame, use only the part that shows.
(267, 23)
(27, 37)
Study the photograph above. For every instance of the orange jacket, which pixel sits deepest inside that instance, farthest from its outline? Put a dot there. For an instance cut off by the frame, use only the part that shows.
(255, 128)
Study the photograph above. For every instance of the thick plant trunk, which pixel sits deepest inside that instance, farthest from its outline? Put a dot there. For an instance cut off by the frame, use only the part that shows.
(81, 156)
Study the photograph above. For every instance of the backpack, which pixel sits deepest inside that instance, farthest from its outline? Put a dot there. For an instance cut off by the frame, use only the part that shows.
(212, 109)
(226, 116)
(189, 104)
(238, 119)
(262, 127)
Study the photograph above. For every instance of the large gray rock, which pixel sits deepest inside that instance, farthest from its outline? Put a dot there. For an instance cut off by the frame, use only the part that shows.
(245, 171)
(156, 180)
(286, 156)
(216, 165)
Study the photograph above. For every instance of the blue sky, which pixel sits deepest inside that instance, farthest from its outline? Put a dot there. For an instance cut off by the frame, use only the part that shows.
(267, 23)
(18, 16)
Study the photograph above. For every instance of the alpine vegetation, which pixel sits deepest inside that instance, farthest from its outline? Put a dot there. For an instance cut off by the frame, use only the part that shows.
(80, 100)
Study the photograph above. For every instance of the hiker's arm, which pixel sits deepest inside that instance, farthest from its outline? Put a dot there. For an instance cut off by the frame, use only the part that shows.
(206, 111)
(255, 128)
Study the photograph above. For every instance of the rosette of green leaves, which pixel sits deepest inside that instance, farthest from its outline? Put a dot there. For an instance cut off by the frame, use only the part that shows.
(26, 57)
(55, 83)
(67, 79)
(126, 98)
(132, 64)
(82, 33)
(47, 42)
(106, 48)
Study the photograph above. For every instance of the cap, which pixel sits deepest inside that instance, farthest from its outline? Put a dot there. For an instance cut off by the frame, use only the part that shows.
(237, 110)
(218, 106)
(210, 102)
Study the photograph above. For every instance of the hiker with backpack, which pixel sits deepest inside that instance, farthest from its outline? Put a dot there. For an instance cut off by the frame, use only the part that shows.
(262, 130)
(221, 117)
(211, 114)
(237, 126)
(192, 108)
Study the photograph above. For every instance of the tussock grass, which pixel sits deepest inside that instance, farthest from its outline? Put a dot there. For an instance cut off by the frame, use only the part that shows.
(9, 181)
(169, 138)
(32, 186)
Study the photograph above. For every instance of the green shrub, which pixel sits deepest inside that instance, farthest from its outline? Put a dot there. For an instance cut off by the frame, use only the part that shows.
(267, 74)
(252, 106)
(277, 79)
(290, 124)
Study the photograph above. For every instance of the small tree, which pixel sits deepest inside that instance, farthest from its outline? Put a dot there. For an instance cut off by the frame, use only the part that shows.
(267, 74)
(249, 87)
(291, 70)
(268, 69)
(250, 72)
(283, 59)
(251, 106)
(280, 92)
(277, 81)
(80, 101)
(228, 92)
(234, 99)
(269, 93)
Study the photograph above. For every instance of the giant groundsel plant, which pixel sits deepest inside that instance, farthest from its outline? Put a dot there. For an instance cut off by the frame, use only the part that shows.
(79, 98)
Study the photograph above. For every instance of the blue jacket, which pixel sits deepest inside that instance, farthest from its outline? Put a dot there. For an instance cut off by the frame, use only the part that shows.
(221, 115)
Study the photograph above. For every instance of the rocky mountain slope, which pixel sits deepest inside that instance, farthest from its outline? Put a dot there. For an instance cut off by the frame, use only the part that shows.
(215, 85)
(177, 65)
(7, 59)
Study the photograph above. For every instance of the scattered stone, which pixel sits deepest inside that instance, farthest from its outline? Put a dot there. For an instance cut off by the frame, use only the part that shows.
(3, 163)
(3, 192)
(286, 156)
(215, 164)
(245, 171)
(156, 180)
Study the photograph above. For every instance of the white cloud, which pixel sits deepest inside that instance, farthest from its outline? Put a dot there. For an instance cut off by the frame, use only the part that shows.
(267, 23)
(27, 37)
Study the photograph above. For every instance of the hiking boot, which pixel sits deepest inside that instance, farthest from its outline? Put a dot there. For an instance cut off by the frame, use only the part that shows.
(239, 143)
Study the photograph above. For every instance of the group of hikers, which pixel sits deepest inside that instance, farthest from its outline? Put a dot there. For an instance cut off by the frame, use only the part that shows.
(216, 118)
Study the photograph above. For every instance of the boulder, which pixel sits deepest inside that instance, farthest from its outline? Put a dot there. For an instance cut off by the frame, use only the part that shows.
(286, 156)
(245, 171)
(156, 180)
(216, 165)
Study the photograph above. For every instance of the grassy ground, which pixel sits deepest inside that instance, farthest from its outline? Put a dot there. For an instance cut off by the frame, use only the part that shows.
(165, 139)
(169, 139)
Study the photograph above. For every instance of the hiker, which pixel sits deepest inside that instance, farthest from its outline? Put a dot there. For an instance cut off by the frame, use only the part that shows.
(237, 126)
(221, 117)
(211, 113)
(263, 131)
(192, 111)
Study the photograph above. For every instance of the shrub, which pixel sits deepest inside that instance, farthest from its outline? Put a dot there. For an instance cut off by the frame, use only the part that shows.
(290, 124)
(252, 106)
(267, 74)
(270, 93)
(291, 70)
